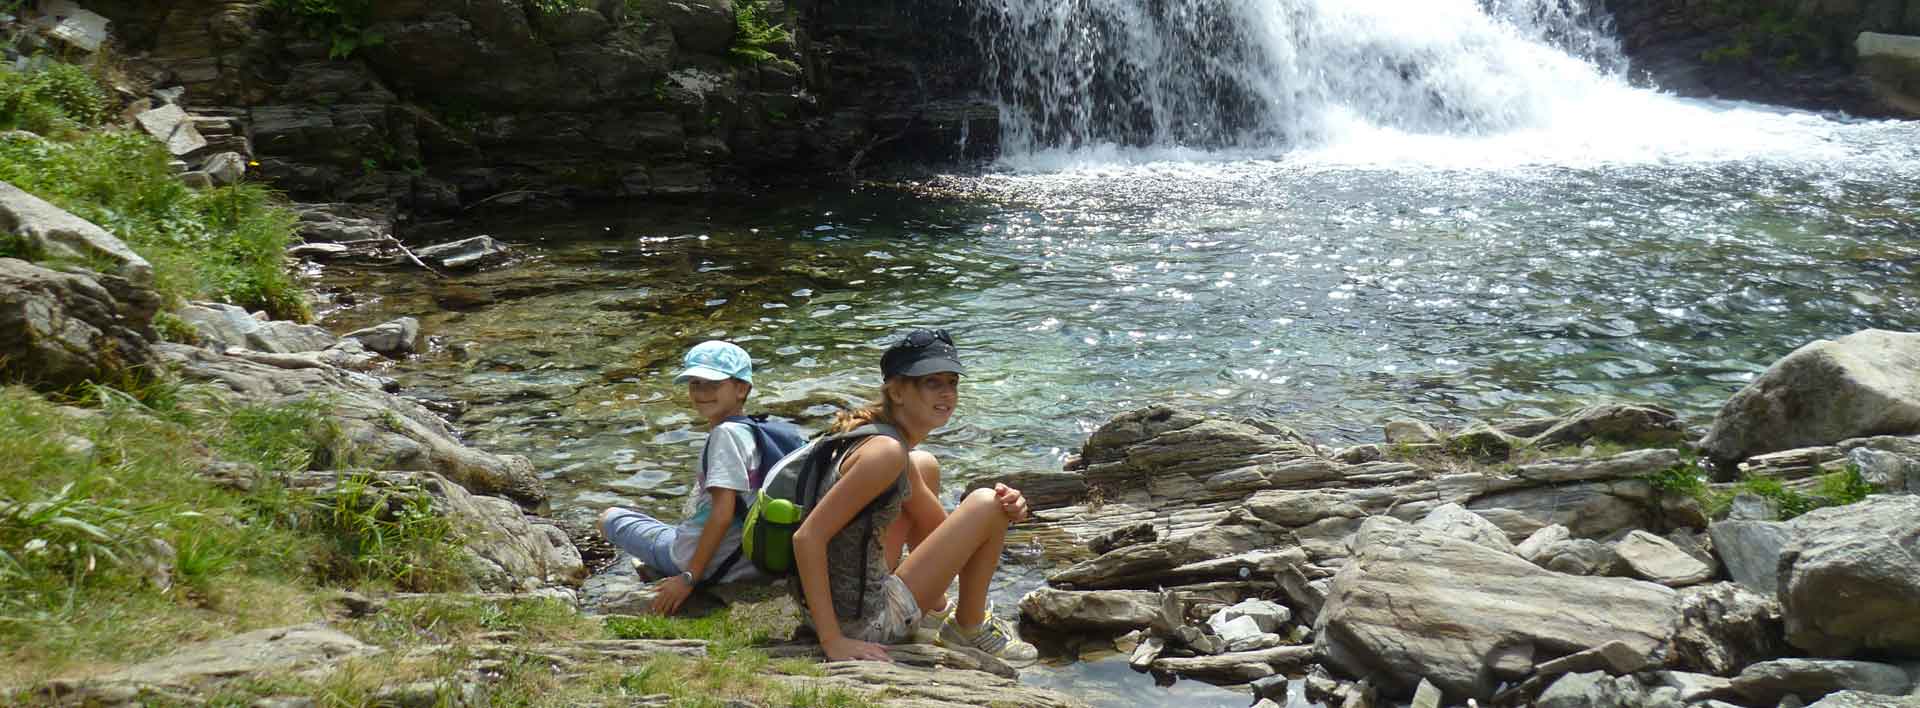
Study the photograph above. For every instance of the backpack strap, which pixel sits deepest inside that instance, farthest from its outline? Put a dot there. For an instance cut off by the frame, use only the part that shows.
(866, 535)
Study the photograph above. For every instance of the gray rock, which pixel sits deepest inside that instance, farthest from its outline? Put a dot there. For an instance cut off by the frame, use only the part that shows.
(1090, 610)
(383, 431)
(1483, 441)
(196, 179)
(1593, 690)
(396, 338)
(1616, 658)
(464, 253)
(1691, 687)
(171, 125)
(1890, 63)
(52, 233)
(1863, 699)
(1438, 584)
(308, 647)
(1511, 662)
(1579, 556)
(507, 550)
(59, 330)
(1724, 627)
(1146, 564)
(1624, 423)
(1541, 540)
(1118, 538)
(1267, 616)
(1426, 695)
(227, 168)
(1750, 550)
(1768, 682)
(1866, 383)
(704, 26)
(1850, 577)
(231, 326)
(1747, 506)
(66, 21)
(1454, 520)
(1653, 558)
(1890, 472)
(1405, 430)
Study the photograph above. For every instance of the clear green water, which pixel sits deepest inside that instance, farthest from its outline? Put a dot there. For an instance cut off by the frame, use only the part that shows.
(1326, 296)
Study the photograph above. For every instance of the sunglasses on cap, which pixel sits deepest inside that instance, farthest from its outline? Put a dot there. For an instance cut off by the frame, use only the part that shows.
(926, 337)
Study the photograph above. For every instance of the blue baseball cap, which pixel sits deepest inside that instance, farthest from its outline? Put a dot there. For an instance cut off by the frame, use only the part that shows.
(716, 361)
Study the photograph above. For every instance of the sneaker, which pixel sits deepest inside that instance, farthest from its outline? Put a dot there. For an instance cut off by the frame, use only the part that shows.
(927, 629)
(993, 637)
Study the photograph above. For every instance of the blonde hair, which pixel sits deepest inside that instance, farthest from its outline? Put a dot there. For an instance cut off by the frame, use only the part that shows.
(881, 412)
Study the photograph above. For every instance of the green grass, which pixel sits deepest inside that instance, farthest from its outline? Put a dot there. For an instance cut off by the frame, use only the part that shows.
(225, 244)
(52, 99)
(86, 492)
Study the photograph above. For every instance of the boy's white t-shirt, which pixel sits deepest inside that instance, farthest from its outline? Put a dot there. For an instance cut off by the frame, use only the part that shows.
(729, 454)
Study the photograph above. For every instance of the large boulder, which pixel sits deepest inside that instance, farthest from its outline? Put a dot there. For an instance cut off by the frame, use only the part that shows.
(1415, 603)
(1095, 610)
(61, 329)
(1850, 578)
(50, 233)
(1866, 383)
(1767, 682)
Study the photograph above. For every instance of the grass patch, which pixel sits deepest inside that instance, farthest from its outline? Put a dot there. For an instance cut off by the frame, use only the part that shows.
(52, 99)
(114, 548)
(225, 244)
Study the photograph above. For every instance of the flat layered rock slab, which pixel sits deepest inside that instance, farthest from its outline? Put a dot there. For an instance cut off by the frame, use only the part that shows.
(299, 647)
(905, 686)
(1413, 603)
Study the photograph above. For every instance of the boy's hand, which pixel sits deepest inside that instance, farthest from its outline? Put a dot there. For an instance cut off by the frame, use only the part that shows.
(669, 594)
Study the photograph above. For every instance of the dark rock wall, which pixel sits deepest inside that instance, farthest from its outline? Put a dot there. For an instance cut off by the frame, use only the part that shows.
(451, 103)
(1786, 52)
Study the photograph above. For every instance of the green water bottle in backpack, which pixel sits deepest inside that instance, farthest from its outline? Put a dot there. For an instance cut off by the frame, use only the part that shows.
(792, 487)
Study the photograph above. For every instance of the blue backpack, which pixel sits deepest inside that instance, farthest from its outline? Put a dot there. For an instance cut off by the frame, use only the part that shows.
(773, 440)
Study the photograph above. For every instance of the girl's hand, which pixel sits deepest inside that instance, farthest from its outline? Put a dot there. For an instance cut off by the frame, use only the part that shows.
(1012, 503)
(849, 649)
(670, 594)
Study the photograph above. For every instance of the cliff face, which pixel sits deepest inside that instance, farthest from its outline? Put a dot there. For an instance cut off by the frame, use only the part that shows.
(1786, 52)
(431, 106)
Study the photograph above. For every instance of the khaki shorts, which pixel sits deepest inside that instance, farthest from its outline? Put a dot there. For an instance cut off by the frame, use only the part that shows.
(895, 625)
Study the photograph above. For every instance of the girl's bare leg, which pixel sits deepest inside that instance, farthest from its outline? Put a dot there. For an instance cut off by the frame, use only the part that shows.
(968, 545)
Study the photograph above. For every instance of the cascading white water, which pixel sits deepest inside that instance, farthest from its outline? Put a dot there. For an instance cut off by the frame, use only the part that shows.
(1433, 82)
(1261, 73)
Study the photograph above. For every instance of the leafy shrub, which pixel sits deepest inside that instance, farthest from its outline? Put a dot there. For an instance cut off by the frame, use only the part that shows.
(753, 34)
(51, 98)
(389, 533)
(225, 244)
(343, 23)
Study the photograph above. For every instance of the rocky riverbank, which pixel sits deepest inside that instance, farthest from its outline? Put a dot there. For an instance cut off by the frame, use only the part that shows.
(1582, 560)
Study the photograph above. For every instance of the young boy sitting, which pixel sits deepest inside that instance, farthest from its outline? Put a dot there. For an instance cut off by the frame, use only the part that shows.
(718, 376)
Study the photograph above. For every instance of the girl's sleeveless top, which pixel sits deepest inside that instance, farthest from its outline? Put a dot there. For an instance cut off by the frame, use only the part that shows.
(850, 566)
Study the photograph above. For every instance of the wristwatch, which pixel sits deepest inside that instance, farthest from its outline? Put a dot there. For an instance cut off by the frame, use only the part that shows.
(688, 574)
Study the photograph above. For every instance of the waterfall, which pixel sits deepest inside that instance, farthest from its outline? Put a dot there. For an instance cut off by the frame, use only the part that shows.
(1281, 74)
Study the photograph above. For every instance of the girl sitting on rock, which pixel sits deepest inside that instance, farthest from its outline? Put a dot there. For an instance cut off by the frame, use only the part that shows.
(854, 599)
(718, 376)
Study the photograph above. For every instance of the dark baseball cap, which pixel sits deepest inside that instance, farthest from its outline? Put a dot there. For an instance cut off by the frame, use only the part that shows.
(921, 352)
